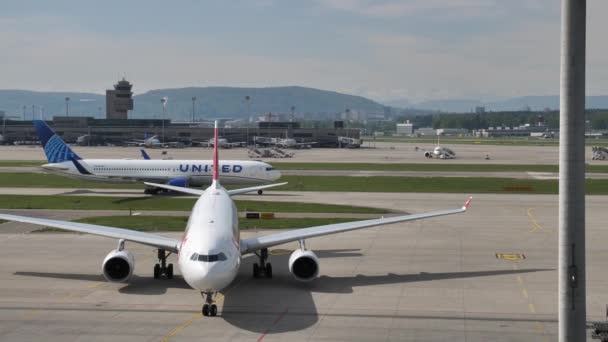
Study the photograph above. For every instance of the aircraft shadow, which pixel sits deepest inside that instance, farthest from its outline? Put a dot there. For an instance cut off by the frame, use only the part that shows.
(282, 304)
(101, 192)
(137, 284)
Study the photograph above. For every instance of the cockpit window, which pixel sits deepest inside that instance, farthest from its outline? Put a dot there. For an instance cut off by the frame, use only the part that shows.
(269, 168)
(208, 258)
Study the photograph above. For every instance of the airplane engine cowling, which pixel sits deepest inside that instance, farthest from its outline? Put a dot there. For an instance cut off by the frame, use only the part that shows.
(304, 265)
(118, 266)
(181, 182)
(428, 154)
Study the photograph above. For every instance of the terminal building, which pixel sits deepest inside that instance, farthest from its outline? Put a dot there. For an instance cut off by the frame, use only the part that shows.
(119, 131)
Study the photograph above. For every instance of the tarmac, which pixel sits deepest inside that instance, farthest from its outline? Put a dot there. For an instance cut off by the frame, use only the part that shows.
(380, 152)
(360, 173)
(430, 280)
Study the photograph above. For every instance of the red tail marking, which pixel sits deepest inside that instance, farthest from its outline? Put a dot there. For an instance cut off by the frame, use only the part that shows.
(215, 158)
(467, 203)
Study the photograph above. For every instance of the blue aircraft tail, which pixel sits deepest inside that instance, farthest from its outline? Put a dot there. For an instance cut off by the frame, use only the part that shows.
(55, 148)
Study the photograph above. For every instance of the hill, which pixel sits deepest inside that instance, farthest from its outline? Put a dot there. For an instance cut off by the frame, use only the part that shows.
(211, 102)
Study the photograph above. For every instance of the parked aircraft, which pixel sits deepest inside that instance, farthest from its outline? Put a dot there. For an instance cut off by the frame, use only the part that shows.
(63, 161)
(222, 143)
(209, 255)
(154, 142)
(281, 142)
(441, 153)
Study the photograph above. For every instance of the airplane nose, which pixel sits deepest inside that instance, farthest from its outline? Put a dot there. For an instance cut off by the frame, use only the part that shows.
(276, 175)
(208, 277)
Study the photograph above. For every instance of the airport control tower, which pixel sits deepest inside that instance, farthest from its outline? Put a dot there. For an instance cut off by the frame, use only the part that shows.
(119, 101)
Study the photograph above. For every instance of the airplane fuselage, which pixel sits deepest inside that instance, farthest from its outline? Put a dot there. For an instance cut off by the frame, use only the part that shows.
(210, 255)
(196, 172)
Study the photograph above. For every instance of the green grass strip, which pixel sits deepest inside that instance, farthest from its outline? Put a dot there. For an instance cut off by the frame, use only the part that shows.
(160, 203)
(465, 185)
(445, 167)
(178, 223)
(18, 163)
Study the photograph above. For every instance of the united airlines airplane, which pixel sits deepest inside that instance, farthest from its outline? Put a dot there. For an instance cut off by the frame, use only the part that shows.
(63, 161)
(209, 254)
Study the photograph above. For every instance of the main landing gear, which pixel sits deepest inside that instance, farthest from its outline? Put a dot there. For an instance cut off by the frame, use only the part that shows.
(163, 270)
(262, 268)
(209, 308)
(151, 191)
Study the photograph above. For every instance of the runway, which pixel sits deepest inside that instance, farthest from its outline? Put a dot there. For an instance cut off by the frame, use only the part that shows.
(427, 280)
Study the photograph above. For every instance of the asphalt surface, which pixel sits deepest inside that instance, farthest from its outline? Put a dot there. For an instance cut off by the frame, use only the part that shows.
(428, 280)
(380, 152)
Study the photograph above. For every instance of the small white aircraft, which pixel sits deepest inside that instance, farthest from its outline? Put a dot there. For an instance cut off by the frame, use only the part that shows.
(154, 142)
(209, 255)
(282, 142)
(440, 153)
(222, 143)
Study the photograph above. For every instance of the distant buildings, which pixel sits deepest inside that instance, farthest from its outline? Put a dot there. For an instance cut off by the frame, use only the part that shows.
(406, 128)
(119, 101)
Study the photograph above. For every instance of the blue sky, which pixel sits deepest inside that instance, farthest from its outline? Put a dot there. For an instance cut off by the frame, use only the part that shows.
(383, 49)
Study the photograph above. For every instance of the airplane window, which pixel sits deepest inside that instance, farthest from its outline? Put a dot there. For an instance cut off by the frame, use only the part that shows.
(212, 257)
(269, 169)
(194, 256)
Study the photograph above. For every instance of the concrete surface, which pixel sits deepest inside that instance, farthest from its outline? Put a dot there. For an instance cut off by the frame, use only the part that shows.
(429, 280)
(385, 152)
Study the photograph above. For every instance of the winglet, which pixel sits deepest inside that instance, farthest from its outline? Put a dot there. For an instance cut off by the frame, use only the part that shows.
(215, 156)
(144, 154)
(467, 203)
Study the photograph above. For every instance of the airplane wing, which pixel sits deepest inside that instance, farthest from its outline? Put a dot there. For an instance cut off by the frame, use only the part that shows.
(253, 188)
(181, 189)
(153, 240)
(254, 244)
(198, 192)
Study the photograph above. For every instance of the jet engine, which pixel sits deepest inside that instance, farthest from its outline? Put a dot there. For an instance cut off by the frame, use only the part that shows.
(428, 154)
(118, 265)
(180, 181)
(304, 265)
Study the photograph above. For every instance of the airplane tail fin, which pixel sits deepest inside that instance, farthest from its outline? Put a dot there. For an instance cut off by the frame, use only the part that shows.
(216, 174)
(55, 148)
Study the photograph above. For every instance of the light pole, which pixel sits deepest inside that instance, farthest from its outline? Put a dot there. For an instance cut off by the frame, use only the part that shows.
(248, 99)
(193, 106)
(67, 106)
(293, 110)
(33, 112)
(572, 308)
(163, 102)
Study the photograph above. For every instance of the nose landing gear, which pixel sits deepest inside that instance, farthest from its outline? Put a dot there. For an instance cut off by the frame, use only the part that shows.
(163, 270)
(209, 308)
(262, 268)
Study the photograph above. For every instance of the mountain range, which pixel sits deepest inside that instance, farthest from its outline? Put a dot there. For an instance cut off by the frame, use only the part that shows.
(211, 102)
(229, 102)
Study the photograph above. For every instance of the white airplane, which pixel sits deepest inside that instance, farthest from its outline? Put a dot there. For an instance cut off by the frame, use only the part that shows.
(441, 153)
(154, 142)
(63, 161)
(209, 254)
(222, 143)
(282, 142)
